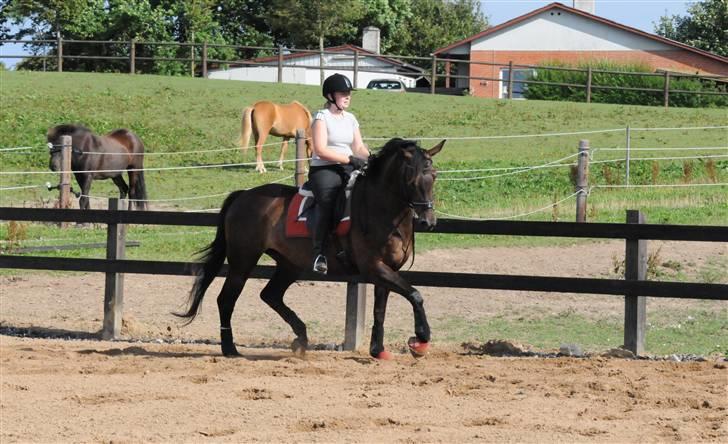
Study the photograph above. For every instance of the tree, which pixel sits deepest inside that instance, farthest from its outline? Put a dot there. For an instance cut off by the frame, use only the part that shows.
(308, 23)
(436, 23)
(245, 22)
(390, 16)
(705, 26)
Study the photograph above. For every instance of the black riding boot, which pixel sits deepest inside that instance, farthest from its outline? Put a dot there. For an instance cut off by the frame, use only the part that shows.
(323, 226)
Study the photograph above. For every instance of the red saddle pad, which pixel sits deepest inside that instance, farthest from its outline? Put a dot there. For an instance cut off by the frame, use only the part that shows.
(296, 220)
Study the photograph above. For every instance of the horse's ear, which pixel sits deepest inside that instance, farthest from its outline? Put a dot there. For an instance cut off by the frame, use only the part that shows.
(436, 149)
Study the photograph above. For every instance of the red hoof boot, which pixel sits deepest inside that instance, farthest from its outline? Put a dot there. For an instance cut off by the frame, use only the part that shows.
(384, 356)
(418, 348)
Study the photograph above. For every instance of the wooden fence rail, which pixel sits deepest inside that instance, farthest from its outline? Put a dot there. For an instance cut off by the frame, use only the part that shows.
(634, 286)
(202, 60)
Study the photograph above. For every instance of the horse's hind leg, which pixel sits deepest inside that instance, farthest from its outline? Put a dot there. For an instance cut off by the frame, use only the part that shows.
(284, 147)
(376, 347)
(231, 289)
(272, 295)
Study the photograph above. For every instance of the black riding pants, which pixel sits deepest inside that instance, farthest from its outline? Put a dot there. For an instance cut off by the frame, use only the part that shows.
(326, 181)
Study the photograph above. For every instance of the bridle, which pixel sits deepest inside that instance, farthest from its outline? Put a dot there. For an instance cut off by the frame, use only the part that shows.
(421, 205)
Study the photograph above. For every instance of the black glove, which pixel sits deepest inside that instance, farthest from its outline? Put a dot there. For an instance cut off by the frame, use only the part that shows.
(356, 162)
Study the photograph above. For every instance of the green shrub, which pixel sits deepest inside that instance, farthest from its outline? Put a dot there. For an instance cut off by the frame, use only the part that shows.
(622, 75)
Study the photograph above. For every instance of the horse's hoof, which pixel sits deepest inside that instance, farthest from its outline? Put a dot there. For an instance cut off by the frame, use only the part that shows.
(298, 347)
(384, 355)
(417, 348)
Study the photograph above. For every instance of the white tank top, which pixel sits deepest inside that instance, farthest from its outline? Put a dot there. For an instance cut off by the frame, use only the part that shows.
(340, 132)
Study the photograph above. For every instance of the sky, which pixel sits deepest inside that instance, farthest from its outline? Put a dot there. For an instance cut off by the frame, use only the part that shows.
(640, 14)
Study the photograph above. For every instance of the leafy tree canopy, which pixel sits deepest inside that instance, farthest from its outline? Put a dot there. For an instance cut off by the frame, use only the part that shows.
(705, 26)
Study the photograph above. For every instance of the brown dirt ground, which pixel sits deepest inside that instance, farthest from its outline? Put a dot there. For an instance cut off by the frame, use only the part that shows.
(89, 390)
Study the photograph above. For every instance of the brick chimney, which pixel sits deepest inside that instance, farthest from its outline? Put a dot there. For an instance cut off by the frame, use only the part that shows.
(585, 5)
(370, 39)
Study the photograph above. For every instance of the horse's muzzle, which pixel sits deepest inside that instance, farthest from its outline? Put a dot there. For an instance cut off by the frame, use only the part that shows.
(427, 221)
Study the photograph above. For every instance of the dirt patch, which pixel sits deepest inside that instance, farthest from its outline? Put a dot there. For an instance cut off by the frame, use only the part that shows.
(67, 391)
(89, 390)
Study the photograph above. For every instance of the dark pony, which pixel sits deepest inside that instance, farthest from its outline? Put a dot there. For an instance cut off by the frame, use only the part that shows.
(394, 193)
(106, 157)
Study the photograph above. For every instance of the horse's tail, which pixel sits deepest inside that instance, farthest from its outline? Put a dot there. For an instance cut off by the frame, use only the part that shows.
(246, 128)
(213, 257)
(139, 191)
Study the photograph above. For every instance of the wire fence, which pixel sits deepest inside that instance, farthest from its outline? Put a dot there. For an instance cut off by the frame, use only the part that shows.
(503, 171)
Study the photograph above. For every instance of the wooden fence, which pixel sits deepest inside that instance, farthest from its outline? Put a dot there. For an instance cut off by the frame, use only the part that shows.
(634, 287)
(199, 61)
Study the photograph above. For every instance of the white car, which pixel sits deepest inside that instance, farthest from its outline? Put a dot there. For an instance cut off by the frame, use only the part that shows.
(390, 85)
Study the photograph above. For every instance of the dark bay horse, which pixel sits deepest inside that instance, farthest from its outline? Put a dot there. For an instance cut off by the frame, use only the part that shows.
(264, 118)
(106, 156)
(394, 192)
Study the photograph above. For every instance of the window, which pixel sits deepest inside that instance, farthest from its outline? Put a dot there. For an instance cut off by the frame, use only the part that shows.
(518, 88)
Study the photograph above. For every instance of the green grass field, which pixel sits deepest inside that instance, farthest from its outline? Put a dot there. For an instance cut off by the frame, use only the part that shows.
(174, 114)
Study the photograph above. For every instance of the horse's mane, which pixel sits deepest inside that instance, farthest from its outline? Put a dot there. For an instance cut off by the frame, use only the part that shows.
(305, 108)
(398, 147)
(65, 129)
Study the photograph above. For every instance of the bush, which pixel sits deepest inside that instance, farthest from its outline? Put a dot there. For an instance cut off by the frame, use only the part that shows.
(626, 76)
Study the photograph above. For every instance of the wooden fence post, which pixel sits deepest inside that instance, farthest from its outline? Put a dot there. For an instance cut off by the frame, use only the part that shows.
(356, 302)
(582, 180)
(64, 199)
(192, 56)
(356, 68)
(280, 63)
(588, 84)
(114, 290)
(447, 74)
(510, 79)
(59, 53)
(301, 155)
(132, 57)
(434, 75)
(628, 154)
(666, 92)
(321, 65)
(204, 60)
(635, 269)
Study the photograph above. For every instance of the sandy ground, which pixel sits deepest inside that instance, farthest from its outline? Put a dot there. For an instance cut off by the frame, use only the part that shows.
(86, 390)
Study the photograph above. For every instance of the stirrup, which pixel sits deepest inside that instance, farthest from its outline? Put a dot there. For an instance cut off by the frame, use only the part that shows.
(320, 265)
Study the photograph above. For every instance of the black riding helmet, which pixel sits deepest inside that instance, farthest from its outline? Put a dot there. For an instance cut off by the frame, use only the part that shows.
(333, 83)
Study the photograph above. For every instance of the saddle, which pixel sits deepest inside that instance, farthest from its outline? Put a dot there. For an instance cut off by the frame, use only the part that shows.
(303, 214)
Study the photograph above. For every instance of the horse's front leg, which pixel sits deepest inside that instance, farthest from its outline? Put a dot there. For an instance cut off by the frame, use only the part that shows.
(376, 347)
(284, 147)
(384, 276)
(259, 165)
(84, 181)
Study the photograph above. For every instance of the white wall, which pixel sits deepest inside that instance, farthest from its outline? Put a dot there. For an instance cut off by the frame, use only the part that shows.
(558, 30)
(302, 76)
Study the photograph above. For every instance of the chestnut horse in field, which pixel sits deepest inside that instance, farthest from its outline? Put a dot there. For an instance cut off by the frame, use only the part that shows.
(264, 118)
(393, 192)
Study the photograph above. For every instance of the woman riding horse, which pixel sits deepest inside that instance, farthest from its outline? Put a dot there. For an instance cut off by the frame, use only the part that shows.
(338, 150)
(395, 191)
